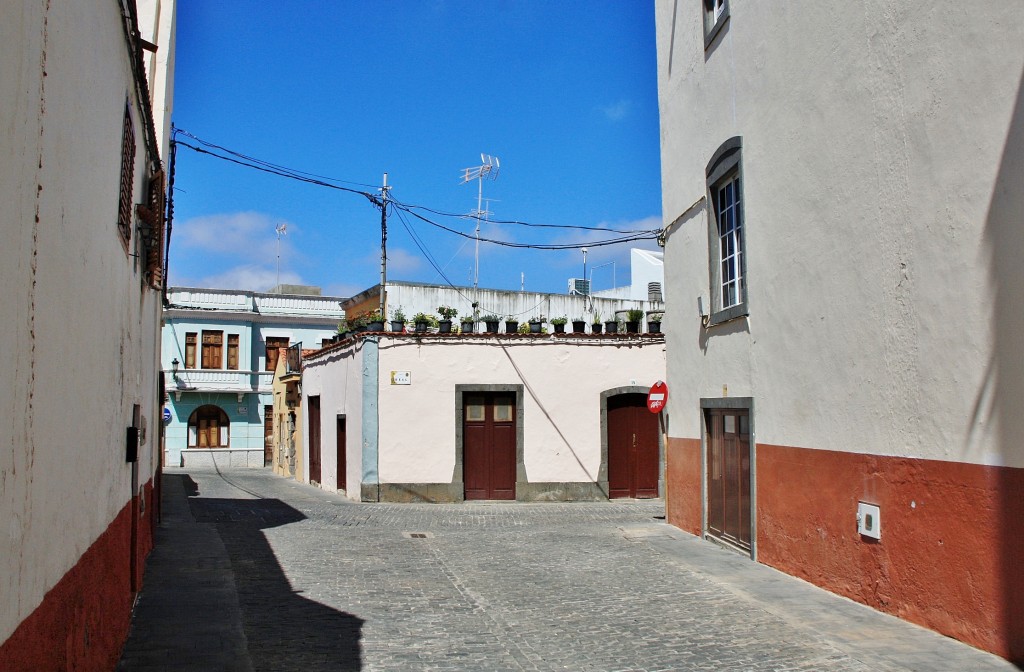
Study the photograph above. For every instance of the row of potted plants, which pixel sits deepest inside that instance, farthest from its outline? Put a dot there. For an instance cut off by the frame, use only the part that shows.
(424, 322)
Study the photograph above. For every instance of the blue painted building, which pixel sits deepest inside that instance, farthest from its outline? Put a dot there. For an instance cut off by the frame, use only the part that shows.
(219, 350)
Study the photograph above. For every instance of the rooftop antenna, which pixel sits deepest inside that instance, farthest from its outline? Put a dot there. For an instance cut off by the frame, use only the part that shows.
(488, 168)
(281, 229)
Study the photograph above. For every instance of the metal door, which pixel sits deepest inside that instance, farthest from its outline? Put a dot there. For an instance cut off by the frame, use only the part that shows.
(489, 445)
(728, 464)
(633, 454)
(314, 439)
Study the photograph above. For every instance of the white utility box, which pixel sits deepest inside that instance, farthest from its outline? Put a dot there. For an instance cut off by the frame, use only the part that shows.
(869, 521)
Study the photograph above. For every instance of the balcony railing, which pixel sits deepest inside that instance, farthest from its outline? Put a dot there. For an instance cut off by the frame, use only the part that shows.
(218, 380)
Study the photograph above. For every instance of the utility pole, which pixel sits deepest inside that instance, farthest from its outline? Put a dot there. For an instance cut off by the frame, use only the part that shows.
(384, 246)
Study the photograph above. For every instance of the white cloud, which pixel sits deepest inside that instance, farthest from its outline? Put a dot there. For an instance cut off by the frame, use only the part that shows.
(250, 277)
(236, 234)
(618, 111)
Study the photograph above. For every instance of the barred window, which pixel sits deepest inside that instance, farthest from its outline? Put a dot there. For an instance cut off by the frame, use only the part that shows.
(124, 203)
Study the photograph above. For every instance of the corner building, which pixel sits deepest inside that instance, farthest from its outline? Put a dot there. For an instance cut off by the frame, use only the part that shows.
(843, 195)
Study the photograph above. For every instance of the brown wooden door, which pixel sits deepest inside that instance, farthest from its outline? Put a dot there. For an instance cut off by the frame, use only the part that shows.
(633, 460)
(268, 435)
(728, 461)
(314, 439)
(342, 464)
(489, 445)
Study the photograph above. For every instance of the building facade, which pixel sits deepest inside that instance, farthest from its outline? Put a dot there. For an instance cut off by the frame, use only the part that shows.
(81, 264)
(842, 193)
(220, 349)
(448, 417)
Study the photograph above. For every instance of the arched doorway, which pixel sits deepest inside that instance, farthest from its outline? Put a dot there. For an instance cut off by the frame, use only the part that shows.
(209, 427)
(634, 459)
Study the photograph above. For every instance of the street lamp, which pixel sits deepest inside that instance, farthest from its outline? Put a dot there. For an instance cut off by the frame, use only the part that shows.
(174, 367)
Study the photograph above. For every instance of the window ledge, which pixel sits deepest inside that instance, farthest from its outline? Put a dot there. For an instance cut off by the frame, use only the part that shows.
(728, 315)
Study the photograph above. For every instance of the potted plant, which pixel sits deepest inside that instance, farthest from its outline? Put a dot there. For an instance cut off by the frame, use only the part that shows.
(343, 330)
(511, 324)
(491, 323)
(422, 321)
(654, 323)
(633, 319)
(611, 326)
(446, 313)
(398, 319)
(536, 323)
(523, 328)
(468, 325)
(579, 325)
(559, 324)
(358, 324)
(595, 324)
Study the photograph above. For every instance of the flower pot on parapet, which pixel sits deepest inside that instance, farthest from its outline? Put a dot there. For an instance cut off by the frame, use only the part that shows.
(654, 327)
(444, 327)
(467, 326)
(421, 327)
(632, 327)
(398, 325)
(376, 325)
(511, 326)
(535, 327)
(611, 327)
(595, 328)
(579, 326)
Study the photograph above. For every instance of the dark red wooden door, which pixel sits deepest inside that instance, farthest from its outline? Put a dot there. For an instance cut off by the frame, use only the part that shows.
(728, 461)
(342, 464)
(633, 462)
(489, 445)
(314, 439)
(268, 435)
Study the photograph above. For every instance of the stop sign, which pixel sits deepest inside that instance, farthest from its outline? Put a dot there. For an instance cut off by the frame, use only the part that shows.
(657, 397)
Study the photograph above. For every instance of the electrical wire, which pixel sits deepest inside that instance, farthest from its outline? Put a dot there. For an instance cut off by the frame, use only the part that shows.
(238, 158)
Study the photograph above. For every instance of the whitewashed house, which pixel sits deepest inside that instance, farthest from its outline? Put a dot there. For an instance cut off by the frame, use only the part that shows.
(86, 91)
(843, 196)
(448, 417)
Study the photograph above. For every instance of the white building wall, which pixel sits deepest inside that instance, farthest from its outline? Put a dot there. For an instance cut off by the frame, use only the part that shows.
(563, 383)
(870, 324)
(78, 324)
(336, 377)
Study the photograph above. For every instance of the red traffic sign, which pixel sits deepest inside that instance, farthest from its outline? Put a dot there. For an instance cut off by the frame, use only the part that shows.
(657, 397)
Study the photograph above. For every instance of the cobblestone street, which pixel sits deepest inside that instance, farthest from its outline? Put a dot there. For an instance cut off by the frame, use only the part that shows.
(255, 572)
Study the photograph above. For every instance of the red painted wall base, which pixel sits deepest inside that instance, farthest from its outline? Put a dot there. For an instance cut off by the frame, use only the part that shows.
(83, 621)
(951, 551)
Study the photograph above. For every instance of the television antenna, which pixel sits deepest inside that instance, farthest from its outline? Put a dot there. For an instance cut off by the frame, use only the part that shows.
(488, 169)
(281, 229)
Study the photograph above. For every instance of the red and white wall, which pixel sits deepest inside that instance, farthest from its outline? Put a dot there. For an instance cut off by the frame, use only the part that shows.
(883, 188)
(80, 330)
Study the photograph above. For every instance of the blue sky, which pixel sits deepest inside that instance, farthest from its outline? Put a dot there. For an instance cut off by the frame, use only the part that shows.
(563, 93)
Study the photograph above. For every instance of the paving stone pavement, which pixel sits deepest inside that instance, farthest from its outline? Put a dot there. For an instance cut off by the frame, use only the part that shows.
(256, 572)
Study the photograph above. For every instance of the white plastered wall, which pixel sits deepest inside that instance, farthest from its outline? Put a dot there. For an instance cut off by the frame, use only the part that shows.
(80, 332)
(875, 146)
(562, 422)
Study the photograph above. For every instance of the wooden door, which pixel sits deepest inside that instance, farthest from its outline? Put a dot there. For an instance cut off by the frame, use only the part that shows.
(268, 435)
(342, 463)
(314, 439)
(633, 454)
(489, 445)
(728, 463)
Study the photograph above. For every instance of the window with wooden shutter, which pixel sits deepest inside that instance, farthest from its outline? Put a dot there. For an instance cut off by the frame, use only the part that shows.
(273, 345)
(124, 203)
(213, 349)
(233, 352)
(190, 350)
(152, 220)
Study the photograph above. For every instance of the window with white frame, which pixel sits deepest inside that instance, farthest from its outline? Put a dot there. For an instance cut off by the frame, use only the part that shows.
(716, 12)
(727, 233)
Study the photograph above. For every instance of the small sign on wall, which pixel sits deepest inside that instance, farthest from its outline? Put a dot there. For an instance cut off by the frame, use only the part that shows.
(401, 378)
(243, 410)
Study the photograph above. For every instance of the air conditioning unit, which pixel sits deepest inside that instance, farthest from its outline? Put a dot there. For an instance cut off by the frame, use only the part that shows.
(579, 286)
